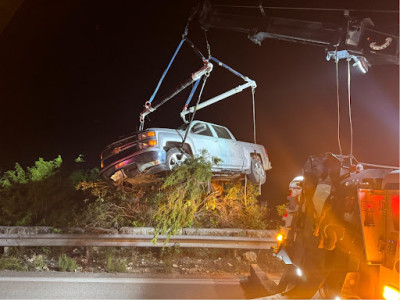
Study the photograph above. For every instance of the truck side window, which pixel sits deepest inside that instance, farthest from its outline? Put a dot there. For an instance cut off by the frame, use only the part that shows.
(222, 132)
(202, 129)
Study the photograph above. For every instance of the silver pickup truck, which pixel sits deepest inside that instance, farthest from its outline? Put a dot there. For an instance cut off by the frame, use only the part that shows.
(156, 150)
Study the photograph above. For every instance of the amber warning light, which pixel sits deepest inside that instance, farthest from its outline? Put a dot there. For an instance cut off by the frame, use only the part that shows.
(279, 238)
(390, 293)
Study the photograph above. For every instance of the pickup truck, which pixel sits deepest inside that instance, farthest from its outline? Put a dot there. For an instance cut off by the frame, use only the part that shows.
(156, 150)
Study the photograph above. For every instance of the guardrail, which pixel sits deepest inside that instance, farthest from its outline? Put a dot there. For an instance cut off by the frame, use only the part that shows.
(192, 238)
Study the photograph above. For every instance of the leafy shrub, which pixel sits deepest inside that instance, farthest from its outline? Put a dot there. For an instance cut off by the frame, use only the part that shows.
(67, 263)
(46, 194)
(41, 195)
(234, 205)
(40, 171)
(111, 206)
(181, 195)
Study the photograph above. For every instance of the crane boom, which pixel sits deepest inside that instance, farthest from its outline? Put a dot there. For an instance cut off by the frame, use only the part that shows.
(359, 39)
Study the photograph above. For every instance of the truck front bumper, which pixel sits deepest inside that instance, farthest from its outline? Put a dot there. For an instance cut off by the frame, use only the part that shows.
(148, 162)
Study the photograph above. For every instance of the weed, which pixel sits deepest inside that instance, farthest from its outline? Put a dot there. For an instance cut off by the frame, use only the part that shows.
(38, 262)
(46, 250)
(11, 263)
(116, 265)
(66, 263)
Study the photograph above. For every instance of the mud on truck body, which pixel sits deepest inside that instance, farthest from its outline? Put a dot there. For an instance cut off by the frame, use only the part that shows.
(156, 150)
(343, 236)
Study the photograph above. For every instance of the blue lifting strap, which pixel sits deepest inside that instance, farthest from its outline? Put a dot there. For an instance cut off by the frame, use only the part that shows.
(196, 84)
(220, 63)
(166, 71)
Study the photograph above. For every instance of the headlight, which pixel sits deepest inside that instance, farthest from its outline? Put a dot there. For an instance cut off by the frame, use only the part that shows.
(147, 144)
(146, 135)
(390, 293)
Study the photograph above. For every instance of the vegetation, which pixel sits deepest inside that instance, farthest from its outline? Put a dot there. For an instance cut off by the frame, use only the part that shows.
(46, 194)
(67, 263)
(43, 194)
(11, 263)
(116, 265)
(182, 194)
(38, 263)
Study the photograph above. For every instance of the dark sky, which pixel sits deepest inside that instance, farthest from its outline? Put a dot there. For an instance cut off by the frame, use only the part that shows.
(74, 76)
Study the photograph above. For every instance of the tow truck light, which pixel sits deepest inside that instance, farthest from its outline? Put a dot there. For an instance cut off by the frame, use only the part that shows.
(299, 272)
(390, 293)
(101, 165)
(279, 237)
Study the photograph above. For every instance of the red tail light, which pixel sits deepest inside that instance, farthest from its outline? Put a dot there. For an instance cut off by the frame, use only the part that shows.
(395, 210)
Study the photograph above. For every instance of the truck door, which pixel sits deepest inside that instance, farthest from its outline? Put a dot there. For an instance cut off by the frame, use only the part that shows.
(230, 149)
(203, 139)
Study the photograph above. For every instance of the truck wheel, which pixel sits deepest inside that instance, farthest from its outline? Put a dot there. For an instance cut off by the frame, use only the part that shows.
(175, 157)
(257, 172)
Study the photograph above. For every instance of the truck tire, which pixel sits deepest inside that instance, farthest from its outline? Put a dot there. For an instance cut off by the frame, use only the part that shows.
(175, 157)
(257, 173)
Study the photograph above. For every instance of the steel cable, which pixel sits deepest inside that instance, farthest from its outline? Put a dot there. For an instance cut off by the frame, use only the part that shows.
(349, 98)
(338, 105)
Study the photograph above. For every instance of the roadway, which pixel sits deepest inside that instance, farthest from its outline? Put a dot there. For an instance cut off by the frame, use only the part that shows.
(59, 285)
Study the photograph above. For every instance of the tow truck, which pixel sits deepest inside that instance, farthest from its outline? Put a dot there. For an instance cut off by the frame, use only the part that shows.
(342, 238)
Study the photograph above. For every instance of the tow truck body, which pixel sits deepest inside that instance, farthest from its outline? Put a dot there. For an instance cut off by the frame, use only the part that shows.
(342, 233)
(343, 236)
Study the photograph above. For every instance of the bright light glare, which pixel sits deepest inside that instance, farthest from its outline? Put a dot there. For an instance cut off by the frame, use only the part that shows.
(299, 272)
(298, 178)
(390, 293)
(279, 237)
(338, 298)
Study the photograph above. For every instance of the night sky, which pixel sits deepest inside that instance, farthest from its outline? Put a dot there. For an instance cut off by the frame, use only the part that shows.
(74, 76)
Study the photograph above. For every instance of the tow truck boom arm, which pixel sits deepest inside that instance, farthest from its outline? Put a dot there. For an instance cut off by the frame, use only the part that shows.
(359, 38)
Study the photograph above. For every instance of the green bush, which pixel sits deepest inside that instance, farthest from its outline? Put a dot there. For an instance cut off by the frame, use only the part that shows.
(49, 194)
(42, 195)
(67, 263)
(111, 206)
(181, 195)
